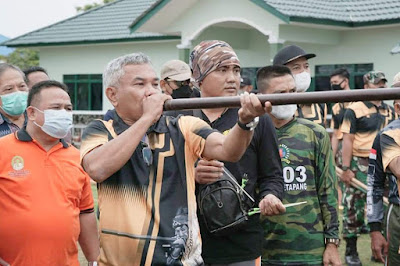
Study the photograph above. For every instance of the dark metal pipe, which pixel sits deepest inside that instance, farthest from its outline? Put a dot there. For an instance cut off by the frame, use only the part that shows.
(287, 98)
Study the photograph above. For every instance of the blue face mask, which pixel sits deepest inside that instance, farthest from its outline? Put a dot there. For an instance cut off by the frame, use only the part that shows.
(14, 104)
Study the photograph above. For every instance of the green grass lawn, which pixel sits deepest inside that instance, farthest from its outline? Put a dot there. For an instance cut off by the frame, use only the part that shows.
(364, 243)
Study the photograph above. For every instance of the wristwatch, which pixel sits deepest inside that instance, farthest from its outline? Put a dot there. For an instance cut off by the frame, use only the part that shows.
(345, 168)
(250, 126)
(92, 263)
(335, 241)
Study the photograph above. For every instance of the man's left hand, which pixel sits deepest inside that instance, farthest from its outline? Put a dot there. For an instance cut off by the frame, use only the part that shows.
(271, 205)
(251, 108)
(331, 255)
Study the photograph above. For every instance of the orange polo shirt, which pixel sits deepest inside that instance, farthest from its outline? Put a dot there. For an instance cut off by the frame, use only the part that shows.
(41, 196)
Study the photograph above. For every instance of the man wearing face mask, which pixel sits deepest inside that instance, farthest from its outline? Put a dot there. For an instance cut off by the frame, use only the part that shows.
(13, 97)
(339, 80)
(175, 79)
(361, 123)
(296, 59)
(307, 234)
(45, 194)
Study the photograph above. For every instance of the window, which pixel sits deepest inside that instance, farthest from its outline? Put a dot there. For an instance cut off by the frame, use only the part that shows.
(321, 82)
(86, 91)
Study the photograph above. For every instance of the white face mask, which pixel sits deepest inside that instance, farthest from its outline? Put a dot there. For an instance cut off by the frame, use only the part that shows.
(303, 81)
(57, 123)
(284, 112)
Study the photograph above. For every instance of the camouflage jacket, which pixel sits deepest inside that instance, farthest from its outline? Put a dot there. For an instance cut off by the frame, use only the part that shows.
(297, 237)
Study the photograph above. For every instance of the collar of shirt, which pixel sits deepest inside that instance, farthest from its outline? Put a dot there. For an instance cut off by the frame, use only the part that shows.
(4, 119)
(119, 125)
(23, 135)
(370, 104)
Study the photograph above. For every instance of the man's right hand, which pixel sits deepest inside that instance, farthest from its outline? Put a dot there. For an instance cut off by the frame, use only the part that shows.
(153, 106)
(379, 245)
(208, 171)
(347, 176)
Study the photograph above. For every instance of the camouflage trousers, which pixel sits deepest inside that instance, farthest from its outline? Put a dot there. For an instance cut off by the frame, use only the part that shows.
(354, 200)
(393, 234)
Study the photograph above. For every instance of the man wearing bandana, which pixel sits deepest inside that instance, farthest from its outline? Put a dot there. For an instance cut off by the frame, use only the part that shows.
(216, 71)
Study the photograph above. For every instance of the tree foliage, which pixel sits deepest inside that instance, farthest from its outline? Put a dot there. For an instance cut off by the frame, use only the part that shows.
(91, 6)
(23, 58)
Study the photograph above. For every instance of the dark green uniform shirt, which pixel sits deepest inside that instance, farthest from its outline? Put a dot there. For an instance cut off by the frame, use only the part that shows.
(297, 237)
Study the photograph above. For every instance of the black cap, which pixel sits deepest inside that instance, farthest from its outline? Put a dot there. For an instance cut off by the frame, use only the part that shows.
(245, 81)
(290, 53)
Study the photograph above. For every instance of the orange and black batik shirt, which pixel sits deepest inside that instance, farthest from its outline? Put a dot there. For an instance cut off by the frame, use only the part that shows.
(315, 112)
(338, 111)
(148, 208)
(365, 120)
(390, 143)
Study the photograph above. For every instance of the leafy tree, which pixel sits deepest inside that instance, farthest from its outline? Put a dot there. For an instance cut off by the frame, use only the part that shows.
(91, 6)
(23, 58)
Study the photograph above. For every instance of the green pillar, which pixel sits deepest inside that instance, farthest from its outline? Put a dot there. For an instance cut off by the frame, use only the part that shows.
(184, 50)
(184, 55)
(273, 49)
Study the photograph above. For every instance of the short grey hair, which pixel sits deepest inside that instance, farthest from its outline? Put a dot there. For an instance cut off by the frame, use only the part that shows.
(115, 68)
(6, 66)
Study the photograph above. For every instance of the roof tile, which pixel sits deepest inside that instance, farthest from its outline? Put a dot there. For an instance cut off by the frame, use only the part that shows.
(111, 21)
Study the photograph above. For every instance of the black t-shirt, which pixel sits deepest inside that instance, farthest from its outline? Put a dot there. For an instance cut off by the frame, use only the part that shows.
(261, 162)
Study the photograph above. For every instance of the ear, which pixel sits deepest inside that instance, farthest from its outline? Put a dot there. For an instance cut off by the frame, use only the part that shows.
(163, 83)
(31, 113)
(111, 93)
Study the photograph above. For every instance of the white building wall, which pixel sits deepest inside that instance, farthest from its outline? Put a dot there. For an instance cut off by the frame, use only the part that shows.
(92, 59)
(360, 45)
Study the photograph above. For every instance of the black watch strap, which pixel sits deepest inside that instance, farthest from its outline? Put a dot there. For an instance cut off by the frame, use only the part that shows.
(243, 126)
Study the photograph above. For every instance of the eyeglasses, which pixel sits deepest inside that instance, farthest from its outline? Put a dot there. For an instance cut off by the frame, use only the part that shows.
(147, 154)
(179, 83)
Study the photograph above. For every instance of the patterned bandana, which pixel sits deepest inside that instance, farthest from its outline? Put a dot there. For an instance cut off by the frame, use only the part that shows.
(208, 56)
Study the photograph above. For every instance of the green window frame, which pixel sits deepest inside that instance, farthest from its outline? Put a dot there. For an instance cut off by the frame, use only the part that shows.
(86, 91)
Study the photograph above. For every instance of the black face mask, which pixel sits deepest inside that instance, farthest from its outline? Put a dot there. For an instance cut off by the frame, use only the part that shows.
(182, 92)
(337, 87)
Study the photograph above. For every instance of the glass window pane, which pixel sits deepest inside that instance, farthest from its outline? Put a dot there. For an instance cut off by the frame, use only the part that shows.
(364, 68)
(83, 77)
(322, 83)
(349, 67)
(358, 82)
(96, 77)
(69, 78)
(82, 99)
(97, 96)
(71, 92)
(324, 69)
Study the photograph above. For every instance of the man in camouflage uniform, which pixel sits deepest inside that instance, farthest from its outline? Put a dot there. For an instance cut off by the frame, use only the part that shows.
(306, 234)
(296, 59)
(361, 123)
